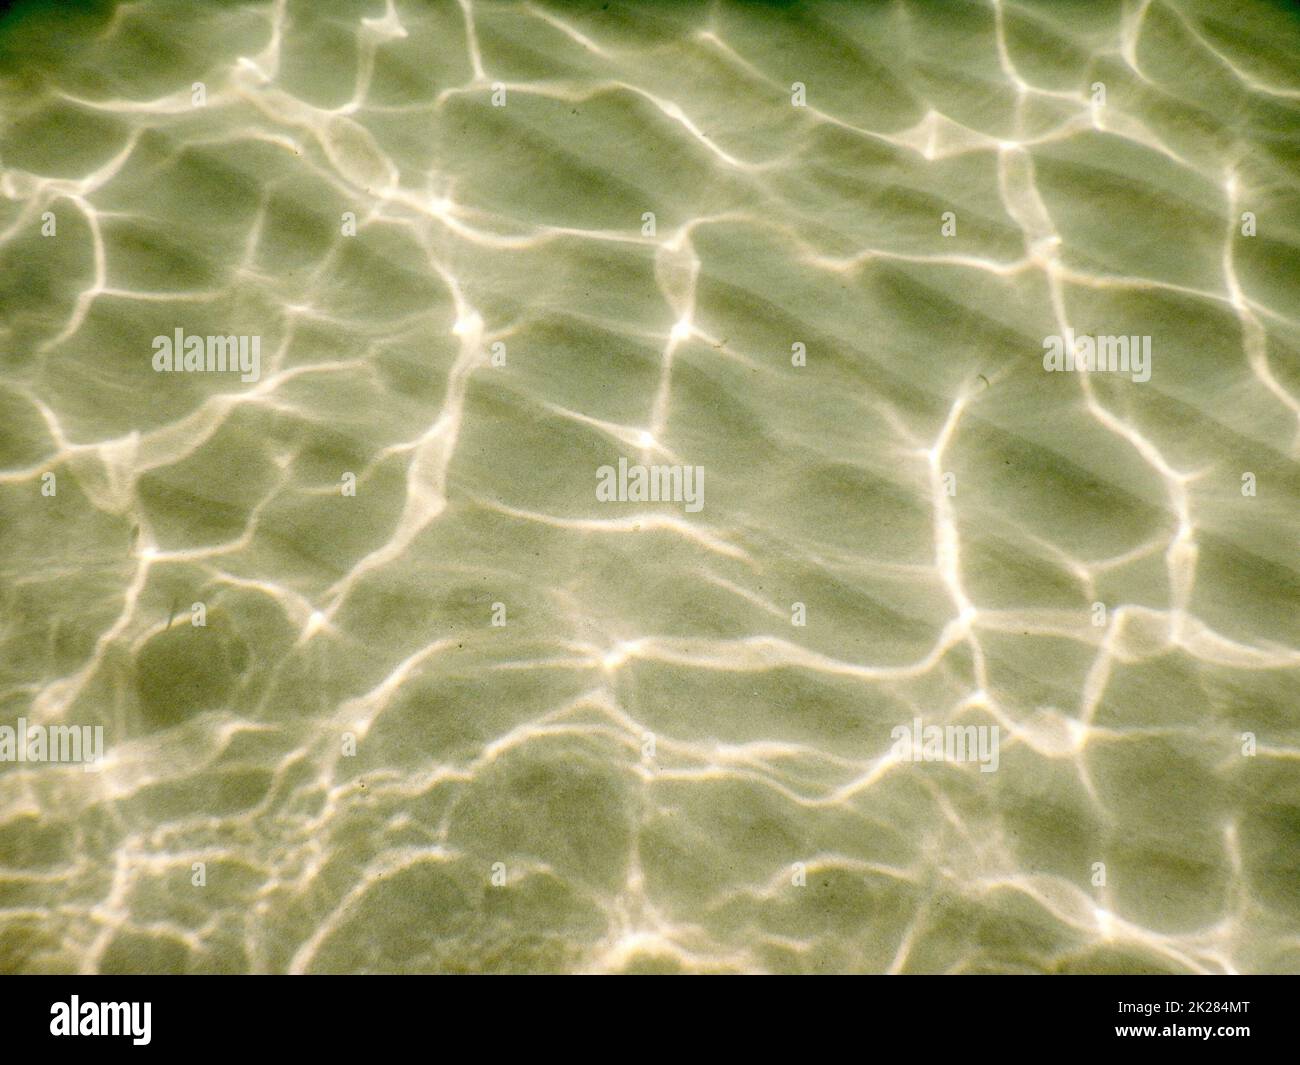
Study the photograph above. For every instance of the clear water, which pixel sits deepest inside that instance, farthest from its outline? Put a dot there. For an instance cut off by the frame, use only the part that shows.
(448, 710)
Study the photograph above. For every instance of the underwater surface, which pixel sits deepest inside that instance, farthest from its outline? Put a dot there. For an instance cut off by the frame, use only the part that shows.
(650, 487)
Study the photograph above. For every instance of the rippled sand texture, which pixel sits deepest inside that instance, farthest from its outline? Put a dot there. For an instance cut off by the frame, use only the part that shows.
(670, 773)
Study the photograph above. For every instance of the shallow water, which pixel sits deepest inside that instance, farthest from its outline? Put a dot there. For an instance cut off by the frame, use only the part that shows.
(449, 710)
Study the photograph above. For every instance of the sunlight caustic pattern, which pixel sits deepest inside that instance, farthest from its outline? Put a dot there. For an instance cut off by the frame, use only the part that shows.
(385, 686)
